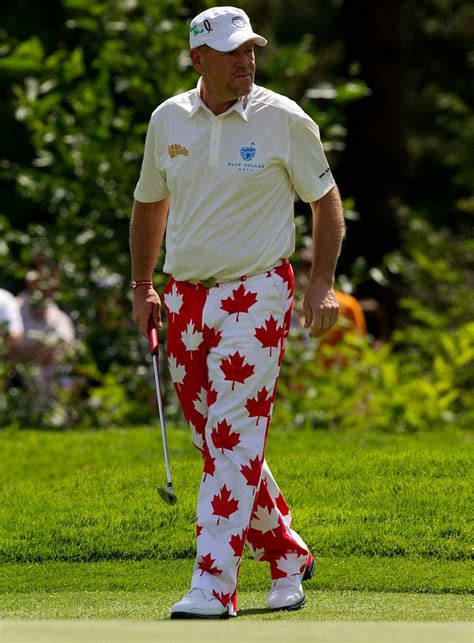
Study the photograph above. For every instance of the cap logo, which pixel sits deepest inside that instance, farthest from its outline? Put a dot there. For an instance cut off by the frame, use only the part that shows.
(207, 26)
(239, 22)
(196, 31)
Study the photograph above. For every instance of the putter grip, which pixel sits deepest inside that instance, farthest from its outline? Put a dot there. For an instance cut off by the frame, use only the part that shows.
(152, 336)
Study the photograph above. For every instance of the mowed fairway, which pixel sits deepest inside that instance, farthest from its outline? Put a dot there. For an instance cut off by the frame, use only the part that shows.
(85, 536)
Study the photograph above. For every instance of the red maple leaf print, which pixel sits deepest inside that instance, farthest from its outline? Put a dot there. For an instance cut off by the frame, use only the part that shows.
(264, 498)
(270, 541)
(223, 438)
(212, 337)
(269, 335)
(284, 271)
(223, 598)
(239, 302)
(223, 505)
(252, 471)
(198, 530)
(237, 543)
(209, 466)
(206, 565)
(260, 405)
(211, 395)
(282, 506)
(235, 370)
(275, 571)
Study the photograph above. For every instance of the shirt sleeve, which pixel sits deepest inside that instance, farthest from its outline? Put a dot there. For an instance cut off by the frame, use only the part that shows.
(307, 165)
(151, 185)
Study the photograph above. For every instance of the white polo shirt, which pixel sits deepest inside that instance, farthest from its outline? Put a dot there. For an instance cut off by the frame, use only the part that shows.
(232, 180)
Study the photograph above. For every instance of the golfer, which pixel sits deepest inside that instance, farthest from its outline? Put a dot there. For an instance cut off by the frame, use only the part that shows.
(221, 167)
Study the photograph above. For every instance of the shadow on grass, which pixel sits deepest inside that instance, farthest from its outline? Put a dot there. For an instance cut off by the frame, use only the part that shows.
(256, 610)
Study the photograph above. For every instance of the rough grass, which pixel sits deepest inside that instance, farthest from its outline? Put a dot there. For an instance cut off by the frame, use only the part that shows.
(90, 496)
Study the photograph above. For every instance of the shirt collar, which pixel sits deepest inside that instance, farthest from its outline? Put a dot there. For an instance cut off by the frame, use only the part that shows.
(241, 106)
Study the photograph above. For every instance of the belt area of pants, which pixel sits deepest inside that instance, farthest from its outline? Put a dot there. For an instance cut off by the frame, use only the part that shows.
(211, 282)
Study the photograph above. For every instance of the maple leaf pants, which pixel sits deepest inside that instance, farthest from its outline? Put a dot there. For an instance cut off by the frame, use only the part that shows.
(225, 347)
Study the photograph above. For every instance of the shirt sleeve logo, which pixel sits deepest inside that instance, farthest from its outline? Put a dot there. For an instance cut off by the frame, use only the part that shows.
(247, 153)
(177, 150)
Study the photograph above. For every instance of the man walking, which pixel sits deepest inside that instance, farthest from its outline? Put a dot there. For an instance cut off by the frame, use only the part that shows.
(221, 166)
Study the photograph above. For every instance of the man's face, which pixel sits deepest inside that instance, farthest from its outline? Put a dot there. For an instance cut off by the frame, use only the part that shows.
(226, 74)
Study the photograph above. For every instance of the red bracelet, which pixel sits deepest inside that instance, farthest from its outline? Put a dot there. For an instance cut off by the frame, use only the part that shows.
(135, 283)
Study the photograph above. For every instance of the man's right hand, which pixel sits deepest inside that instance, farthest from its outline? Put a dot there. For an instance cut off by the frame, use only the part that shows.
(146, 302)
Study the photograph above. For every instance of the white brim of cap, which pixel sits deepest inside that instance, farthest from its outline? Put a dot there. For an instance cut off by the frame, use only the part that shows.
(235, 40)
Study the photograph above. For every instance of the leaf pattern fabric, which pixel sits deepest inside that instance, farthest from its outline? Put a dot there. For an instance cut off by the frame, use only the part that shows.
(225, 346)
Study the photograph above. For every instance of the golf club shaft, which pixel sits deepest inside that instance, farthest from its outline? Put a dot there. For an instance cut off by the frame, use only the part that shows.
(162, 417)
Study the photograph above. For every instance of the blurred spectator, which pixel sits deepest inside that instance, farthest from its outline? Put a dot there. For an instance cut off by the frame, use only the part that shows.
(49, 334)
(351, 313)
(11, 324)
(351, 319)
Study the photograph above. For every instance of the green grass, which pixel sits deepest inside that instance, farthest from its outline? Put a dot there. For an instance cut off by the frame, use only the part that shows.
(89, 496)
(83, 533)
(342, 589)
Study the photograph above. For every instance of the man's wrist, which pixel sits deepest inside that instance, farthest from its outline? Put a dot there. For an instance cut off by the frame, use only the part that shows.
(139, 283)
(321, 279)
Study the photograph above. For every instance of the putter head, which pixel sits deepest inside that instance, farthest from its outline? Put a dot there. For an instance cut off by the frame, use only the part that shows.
(168, 495)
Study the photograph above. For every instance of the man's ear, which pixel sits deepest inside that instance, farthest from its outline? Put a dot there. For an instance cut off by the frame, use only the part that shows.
(196, 58)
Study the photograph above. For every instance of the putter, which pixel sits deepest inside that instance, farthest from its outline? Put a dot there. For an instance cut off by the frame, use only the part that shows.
(168, 494)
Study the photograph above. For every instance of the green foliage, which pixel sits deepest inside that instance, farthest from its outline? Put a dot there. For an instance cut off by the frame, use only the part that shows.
(392, 389)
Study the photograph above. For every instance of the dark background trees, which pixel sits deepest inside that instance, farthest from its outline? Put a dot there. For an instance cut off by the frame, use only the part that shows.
(388, 83)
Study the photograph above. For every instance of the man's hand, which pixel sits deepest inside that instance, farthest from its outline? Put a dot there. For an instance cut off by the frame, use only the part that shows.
(321, 308)
(146, 302)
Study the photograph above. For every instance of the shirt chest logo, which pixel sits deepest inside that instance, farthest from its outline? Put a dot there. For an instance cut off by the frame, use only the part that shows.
(248, 152)
(175, 150)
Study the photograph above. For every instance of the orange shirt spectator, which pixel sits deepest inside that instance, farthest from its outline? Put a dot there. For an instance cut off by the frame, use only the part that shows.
(351, 319)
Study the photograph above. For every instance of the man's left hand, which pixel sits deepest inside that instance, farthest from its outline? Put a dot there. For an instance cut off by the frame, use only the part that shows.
(321, 308)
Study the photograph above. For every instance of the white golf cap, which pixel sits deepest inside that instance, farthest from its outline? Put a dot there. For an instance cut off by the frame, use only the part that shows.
(223, 28)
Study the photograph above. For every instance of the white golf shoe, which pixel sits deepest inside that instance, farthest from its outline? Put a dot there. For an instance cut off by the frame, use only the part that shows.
(201, 604)
(287, 593)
